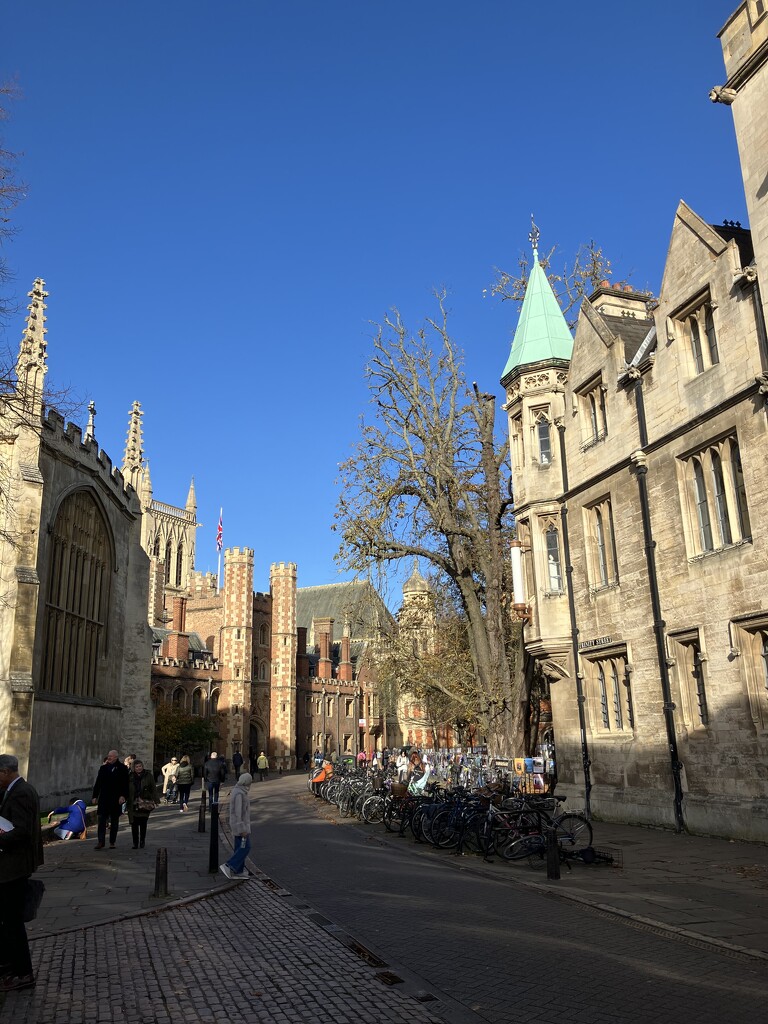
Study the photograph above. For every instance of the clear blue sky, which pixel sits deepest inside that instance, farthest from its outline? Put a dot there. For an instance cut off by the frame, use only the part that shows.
(223, 194)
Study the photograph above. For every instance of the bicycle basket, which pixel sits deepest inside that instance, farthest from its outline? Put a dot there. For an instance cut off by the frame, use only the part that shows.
(399, 789)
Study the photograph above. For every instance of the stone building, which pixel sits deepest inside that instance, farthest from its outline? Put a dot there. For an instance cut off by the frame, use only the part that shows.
(639, 450)
(74, 640)
(286, 671)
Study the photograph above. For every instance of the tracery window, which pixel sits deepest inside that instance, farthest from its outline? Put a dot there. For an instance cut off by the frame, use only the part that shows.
(77, 603)
(713, 491)
(689, 660)
(609, 691)
(197, 702)
(179, 564)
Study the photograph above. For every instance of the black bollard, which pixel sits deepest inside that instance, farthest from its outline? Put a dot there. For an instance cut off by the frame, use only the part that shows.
(213, 851)
(201, 813)
(553, 854)
(161, 873)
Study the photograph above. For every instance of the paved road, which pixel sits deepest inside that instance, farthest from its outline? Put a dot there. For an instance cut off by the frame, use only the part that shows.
(481, 941)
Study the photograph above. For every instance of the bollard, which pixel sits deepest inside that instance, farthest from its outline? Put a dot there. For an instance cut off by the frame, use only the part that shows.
(201, 813)
(213, 851)
(161, 873)
(553, 854)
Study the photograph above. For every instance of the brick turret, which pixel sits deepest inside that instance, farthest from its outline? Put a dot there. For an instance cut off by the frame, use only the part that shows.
(282, 578)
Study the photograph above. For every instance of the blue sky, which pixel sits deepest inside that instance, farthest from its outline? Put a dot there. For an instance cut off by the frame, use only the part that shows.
(223, 195)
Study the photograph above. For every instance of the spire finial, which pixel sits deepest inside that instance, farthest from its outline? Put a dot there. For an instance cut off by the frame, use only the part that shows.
(31, 365)
(533, 238)
(89, 430)
(133, 459)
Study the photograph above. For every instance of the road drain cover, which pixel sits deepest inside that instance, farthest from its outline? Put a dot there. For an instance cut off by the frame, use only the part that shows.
(388, 978)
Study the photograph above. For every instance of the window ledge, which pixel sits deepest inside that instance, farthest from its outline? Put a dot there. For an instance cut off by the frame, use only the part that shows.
(592, 441)
(552, 593)
(720, 551)
(614, 734)
(603, 587)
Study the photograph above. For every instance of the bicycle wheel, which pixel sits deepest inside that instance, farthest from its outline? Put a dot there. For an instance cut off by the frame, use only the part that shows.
(373, 810)
(446, 830)
(344, 804)
(574, 832)
(473, 836)
(392, 816)
(529, 845)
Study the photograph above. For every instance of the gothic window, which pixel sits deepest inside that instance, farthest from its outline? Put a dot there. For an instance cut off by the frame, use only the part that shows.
(545, 442)
(178, 698)
(750, 636)
(156, 547)
(263, 635)
(609, 694)
(168, 556)
(157, 696)
(77, 603)
(349, 707)
(688, 661)
(215, 702)
(714, 495)
(702, 508)
(197, 702)
(601, 545)
(594, 420)
(554, 570)
(697, 325)
(263, 671)
(179, 564)
(329, 706)
(516, 442)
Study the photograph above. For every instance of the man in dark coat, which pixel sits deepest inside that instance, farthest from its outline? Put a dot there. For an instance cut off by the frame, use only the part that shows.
(110, 791)
(213, 776)
(237, 763)
(21, 853)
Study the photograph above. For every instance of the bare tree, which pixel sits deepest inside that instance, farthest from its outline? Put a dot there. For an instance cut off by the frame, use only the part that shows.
(577, 279)
(429, 479)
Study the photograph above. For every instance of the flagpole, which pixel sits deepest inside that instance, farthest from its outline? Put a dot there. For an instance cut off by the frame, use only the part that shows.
(219, 545)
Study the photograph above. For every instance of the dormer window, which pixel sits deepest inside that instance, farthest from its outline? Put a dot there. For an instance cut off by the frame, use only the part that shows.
(698, 328)
(594, 420)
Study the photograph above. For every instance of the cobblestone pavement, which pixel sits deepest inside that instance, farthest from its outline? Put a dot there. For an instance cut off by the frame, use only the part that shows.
(342, 922)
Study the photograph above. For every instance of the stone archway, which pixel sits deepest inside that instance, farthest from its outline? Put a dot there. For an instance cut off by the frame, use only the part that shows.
(257, 739)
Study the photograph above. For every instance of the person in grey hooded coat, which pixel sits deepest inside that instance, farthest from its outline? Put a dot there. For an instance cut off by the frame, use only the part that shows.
(240, 824)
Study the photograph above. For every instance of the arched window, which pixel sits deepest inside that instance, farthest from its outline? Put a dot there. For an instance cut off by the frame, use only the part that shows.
(77, 604)
(709, 327)
(197, 701)
(545, 441)
(263, 634)
(156, 547)
(215, 702)
(179, 564)
(721, 506)
(553, 559)
(603, 697)
(168, 557)
(702, 507)
(263, 671)
(602, 553)
(698, 361)
(178, 698)
(157, 696)
(741, 495)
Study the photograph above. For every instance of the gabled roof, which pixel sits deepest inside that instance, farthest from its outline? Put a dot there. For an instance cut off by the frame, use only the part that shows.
(357, 603)
(542, 333)
(631, 330)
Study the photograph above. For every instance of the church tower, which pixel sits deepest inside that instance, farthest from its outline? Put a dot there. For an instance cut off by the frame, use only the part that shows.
(534, 379)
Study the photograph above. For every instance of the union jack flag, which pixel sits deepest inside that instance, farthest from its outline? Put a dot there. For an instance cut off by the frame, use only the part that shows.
(220, 532)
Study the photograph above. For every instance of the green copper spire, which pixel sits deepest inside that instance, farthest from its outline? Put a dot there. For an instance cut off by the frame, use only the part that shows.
(542, 333)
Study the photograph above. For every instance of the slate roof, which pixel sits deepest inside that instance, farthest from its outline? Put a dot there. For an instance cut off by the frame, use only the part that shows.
(195, 643)
(359, 603)
(631, 330)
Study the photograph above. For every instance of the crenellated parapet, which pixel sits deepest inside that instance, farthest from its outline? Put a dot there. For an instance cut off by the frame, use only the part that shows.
(68, 441)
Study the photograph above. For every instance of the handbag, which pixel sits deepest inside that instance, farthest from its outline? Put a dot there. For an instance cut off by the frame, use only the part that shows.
(33, 897)
(143, 805)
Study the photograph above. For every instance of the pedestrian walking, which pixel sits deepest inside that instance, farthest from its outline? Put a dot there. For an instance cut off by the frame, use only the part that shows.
(361, 759)
(21, 853)
(237, 763)
(170, 787)
(318, 758)
(262, 764)
(213, 776)
(143, 798)
(74, 824)
(306, 760)
(185, 776)
(109, 793)
(240, 824)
